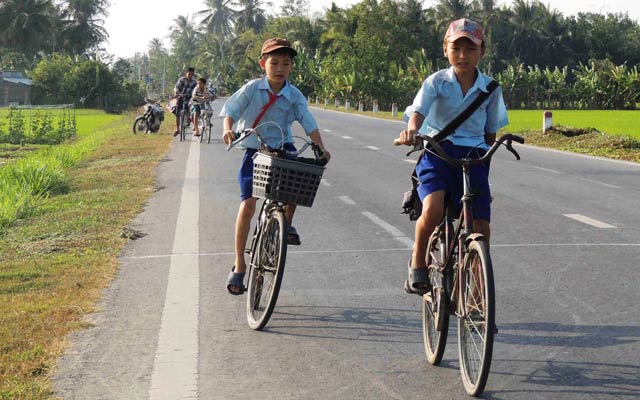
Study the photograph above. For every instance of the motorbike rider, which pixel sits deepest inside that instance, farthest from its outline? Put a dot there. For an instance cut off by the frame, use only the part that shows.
(184, 87)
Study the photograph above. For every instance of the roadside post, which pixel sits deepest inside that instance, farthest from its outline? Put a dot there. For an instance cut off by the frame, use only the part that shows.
(547, 122)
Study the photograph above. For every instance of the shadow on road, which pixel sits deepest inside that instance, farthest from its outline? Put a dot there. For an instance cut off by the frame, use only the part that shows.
(555, 334)
(348, 323)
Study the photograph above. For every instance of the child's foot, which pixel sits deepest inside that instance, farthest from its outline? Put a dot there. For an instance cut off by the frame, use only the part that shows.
(196, 133)
(418, 281)
(293, 238)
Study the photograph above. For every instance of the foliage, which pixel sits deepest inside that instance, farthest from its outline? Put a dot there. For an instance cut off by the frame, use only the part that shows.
(89, 83)
(48, 126)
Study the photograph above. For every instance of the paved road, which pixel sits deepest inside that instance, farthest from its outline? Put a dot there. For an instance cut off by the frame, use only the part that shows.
(565, 247)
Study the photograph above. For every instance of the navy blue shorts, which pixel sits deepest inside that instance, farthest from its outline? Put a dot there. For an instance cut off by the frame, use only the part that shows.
(245, 174)
(435, 174)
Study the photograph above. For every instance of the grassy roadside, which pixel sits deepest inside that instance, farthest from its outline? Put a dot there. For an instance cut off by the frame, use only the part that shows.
(604, 133)
(54, 264)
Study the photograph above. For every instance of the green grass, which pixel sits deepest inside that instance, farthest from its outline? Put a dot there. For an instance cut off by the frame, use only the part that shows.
(612, 122)
(55, 263)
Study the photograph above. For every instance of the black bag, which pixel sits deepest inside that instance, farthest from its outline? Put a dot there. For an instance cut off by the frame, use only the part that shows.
(411, 203)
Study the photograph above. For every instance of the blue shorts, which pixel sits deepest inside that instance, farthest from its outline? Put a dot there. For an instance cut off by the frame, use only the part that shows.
(245, 174)
(435, 174)
(195, 108)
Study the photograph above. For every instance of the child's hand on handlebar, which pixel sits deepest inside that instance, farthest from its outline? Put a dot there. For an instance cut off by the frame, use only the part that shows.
(406, 137)
(229, 136)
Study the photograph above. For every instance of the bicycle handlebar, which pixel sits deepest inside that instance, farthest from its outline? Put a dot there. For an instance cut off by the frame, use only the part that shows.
(508, 138)
(245, 133)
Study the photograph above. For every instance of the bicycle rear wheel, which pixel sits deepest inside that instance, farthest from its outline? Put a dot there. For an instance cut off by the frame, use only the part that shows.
(476, 325)
(435, 319)
(267, 270)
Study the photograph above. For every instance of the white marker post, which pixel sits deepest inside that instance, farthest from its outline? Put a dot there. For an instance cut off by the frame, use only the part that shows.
(547, 122)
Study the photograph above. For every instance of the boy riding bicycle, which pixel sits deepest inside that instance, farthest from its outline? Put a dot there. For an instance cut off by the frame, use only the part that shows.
(182, 90)
(277, 103)
(442, 96)
(199, 96)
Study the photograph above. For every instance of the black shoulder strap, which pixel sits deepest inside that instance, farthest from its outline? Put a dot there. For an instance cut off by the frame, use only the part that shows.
(457, 121)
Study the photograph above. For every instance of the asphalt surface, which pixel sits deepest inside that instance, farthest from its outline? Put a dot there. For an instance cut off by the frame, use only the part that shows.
(565, 247)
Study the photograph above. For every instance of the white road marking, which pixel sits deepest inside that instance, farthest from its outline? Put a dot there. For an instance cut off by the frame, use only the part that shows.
(589, 221)
(553, 171)
(410, 161)
(392, 230)
(175, 367)
(347, 137)
(347, 200)
(324, 182)
(327, 130)
(602, 183)
(506, 245)
(374, 148)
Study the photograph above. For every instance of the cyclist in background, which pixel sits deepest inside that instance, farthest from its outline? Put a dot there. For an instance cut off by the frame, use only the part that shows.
(199, 95)
(183, 90)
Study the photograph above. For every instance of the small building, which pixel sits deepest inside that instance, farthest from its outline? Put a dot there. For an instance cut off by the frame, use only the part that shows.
(15, 88)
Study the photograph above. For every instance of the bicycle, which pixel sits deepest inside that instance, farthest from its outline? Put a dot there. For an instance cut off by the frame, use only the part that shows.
(279, 181)
(204, 121)
(184, 117)
(461, 275)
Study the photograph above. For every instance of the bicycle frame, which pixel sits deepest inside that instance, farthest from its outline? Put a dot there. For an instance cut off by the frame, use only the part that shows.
(460, 231)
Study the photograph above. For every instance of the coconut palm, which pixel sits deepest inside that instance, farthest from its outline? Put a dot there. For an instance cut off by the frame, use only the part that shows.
(184, 41)
(217, 17)
(450, 10)
(82, 25)
(28, 26)
(251, 15)
(526, 24)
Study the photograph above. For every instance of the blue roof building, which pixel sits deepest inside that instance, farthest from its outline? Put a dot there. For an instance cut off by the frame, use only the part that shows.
(15, 88)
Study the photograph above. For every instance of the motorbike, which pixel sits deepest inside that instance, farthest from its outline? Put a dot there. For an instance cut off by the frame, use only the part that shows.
(150, 121)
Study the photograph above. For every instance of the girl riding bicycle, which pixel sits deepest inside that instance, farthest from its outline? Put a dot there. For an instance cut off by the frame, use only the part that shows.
(271, 98)
(444, 95)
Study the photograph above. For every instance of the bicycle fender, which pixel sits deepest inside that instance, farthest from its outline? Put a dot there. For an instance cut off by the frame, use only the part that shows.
(475, 236)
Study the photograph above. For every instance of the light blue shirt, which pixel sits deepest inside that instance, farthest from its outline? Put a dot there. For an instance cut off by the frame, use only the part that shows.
(440, 100)
(245, 105)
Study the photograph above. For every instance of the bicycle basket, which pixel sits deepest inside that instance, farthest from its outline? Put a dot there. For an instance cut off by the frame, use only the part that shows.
(288, 181)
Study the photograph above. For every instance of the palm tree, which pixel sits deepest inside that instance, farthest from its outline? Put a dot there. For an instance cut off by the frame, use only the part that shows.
(251, 15)
(82, 25)
(218, 17)
(184, 41)
(28, 26)
(525, 22)
(450, 10)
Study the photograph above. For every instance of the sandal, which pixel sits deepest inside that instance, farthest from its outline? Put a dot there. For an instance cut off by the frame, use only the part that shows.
(235, 281)
(292, 237)
(418, 282)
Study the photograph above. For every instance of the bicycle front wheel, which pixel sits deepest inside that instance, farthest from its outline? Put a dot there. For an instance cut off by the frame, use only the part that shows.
(435, 319)
(201, 126)
(184, 124)
(267, 270)
(208, 128)
(476, 324)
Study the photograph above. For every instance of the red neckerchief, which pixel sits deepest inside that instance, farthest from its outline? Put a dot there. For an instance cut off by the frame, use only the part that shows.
(272, 99)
